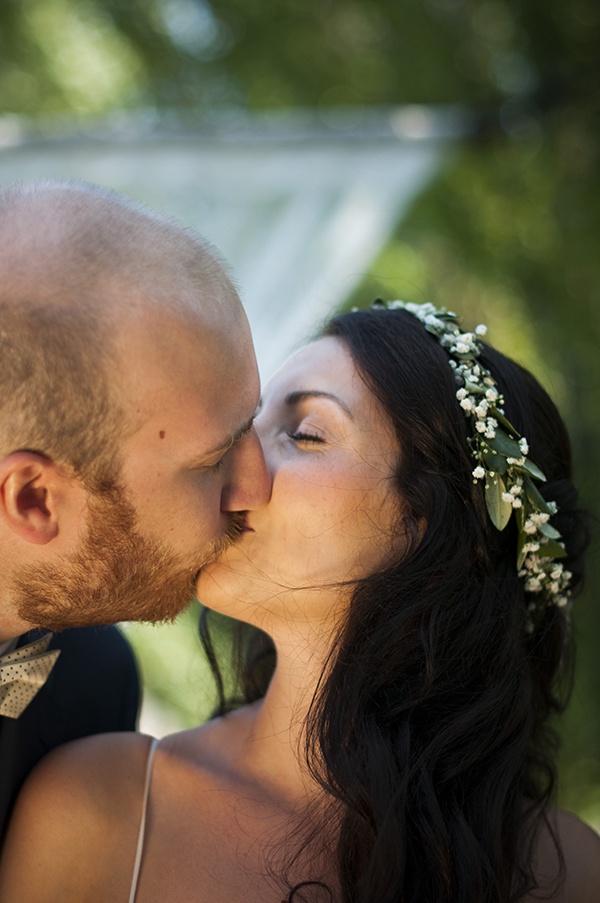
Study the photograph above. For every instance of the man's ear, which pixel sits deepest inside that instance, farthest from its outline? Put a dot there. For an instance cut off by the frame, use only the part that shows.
(32, 491)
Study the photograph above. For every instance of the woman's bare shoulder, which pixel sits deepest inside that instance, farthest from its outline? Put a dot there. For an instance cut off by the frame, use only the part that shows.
(60, 832)
(580, 848)
(80, 773)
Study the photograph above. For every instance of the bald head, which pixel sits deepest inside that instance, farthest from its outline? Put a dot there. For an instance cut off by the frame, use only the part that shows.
(79, 266)
(69, 244)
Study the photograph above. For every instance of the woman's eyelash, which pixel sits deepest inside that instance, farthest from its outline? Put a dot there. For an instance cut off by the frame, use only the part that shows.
(299, 436)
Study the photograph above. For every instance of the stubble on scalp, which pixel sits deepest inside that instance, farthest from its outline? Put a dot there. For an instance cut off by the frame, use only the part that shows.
(92, 261)
(77, 262)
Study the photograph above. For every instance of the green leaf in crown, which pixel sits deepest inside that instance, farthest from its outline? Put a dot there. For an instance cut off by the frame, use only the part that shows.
(501, 460)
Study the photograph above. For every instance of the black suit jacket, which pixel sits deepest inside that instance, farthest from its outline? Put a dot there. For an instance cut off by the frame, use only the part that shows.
(93, 688)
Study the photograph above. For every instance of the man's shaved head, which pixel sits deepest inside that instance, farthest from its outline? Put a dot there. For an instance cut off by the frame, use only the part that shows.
(79, 235)
(125, 361)
(78, 263)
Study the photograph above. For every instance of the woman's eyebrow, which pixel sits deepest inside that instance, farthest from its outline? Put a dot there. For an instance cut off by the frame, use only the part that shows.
(295, 397)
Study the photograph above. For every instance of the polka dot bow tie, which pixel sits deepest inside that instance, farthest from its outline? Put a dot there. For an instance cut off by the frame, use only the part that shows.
(22, 673)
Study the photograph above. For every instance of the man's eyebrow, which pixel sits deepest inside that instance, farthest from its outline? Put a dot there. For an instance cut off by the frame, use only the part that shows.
(232, 440)
(296, 397)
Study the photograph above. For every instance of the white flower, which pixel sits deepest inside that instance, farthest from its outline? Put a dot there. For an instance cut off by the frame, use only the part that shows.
(539, 517)
(434, 323)
(476, 392)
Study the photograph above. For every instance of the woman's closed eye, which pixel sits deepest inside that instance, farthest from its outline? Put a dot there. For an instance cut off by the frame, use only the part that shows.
(304, 436)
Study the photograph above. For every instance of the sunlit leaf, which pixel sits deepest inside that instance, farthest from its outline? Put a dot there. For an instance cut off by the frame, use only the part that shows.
(549, 531)
(532, 469)
(473, 388)
(499, 510)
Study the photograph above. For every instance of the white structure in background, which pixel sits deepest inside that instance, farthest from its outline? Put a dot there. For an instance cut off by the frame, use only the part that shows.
(299, 206)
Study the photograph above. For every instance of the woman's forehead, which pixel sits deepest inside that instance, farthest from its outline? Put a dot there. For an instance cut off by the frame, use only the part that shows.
(326, 367)
(325, 364)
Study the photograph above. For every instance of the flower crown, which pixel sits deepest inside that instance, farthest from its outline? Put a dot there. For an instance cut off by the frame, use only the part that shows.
(500, 455)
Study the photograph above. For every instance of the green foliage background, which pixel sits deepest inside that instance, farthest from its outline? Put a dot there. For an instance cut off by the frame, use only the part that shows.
(508, 233)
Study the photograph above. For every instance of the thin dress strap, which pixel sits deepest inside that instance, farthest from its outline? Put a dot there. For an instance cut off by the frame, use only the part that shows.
(142, 831)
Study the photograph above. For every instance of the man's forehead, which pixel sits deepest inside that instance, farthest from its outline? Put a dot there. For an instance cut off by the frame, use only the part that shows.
(155, 294)
(197, 361)
(178, 325)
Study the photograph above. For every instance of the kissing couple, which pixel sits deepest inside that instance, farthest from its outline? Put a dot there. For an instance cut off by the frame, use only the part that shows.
(392, 526)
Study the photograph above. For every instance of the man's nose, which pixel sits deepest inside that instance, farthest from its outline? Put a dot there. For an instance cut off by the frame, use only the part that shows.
(248, 483)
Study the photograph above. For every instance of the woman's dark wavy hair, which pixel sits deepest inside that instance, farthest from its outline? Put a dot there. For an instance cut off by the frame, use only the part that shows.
(430, 726)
